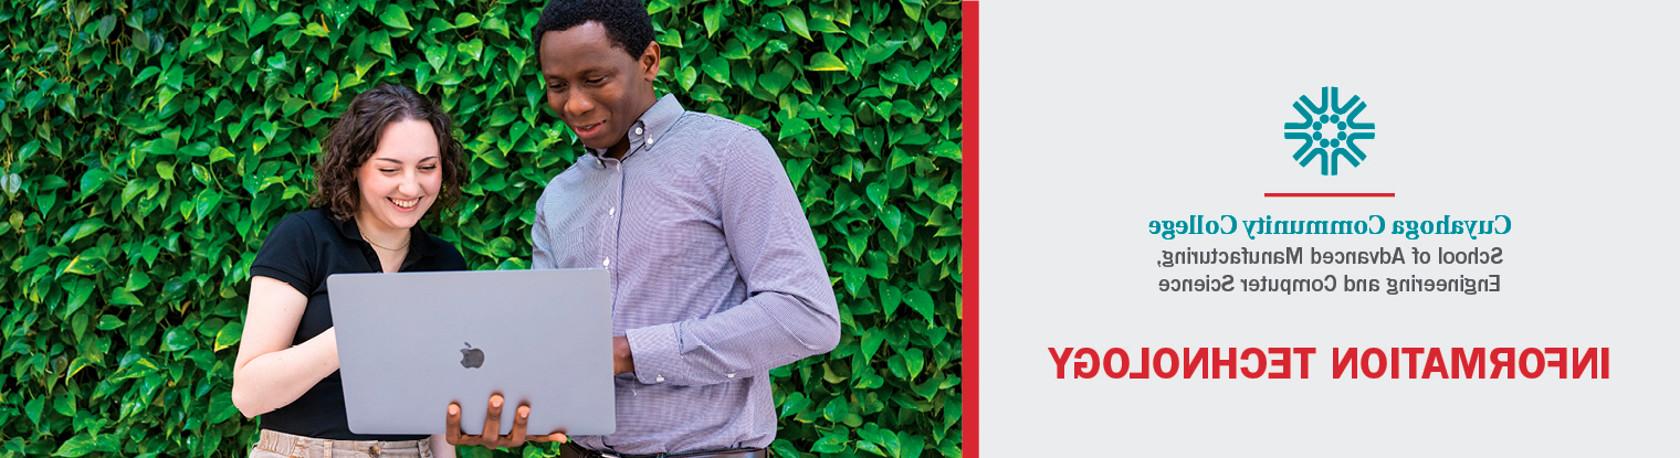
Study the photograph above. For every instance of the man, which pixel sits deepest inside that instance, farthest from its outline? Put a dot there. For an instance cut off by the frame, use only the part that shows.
(716, 277)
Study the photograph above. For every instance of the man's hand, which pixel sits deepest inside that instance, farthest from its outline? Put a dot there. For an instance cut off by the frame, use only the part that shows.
(623, 363)
(491, 435)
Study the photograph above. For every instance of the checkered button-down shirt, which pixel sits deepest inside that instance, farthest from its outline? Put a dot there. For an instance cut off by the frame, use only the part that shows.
(716, 277)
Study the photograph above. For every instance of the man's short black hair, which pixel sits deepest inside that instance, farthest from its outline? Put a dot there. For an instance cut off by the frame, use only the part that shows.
(626, 21)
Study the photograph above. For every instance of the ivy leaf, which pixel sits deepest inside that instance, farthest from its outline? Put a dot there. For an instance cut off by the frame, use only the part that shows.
(898, 72)
(892, 218)
(914, 360)
(830, 443)
(11, 183)
(380, 42)
(796, 169)
(81, 444)
(912, 8)
(870, 447)
(872, 339)
(836, 409)
(794, 403)
(947, 195)
(857, 242)
(80, 266)
(219, 154)
(177, 339)
(466, 20)
(795, 20)
(920, 301)
(93, 180)
(891, 296)
(137, 280)
(669, 38)
(106, 26)
(123, 297)
(886, 440)
(228, 336)
(262, 23)
(338, 11)
(287, 19)
(81, 230)
(919, 73)
(881, 51)
(826, 62)
(394, 16)
(473, 49)
(687, 76)
(502, 116)
(877, 193)
(206, 202)
(935, 31)
(712, 16)
(948, 150)
(65, 404)
(777, 78)
(498, 25)
(33, 408)
(436, 56)
(221, 407)
(716, 68)
(108, 322)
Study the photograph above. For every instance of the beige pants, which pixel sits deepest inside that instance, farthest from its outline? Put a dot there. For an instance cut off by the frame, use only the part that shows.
(274, 444)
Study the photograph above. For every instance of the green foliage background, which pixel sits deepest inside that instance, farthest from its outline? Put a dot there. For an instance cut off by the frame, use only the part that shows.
(148, 148)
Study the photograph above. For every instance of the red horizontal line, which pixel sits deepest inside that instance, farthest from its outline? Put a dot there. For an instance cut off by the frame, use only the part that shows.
(1329, 194)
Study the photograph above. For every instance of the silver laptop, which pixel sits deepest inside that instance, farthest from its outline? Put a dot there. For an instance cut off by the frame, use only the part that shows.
(411, 343)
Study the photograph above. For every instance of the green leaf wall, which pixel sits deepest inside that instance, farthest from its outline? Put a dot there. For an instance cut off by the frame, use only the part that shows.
(146, 149)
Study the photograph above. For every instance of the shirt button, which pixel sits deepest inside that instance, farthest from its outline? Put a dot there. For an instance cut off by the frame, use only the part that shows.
(605, 262)
(650, 141)
(611, 211)
(638, 130)
(730, 375)
(659, 379)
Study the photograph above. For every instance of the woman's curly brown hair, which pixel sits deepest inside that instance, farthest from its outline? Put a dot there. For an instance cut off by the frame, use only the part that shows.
(356, 135)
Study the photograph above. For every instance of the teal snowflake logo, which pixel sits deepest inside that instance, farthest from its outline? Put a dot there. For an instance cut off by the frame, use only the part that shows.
(1327, 131)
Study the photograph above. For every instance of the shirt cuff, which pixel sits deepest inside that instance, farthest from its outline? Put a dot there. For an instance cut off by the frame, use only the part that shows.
(655, 352)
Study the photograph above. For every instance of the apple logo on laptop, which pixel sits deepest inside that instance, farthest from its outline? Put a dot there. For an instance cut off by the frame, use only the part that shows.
(471, 357)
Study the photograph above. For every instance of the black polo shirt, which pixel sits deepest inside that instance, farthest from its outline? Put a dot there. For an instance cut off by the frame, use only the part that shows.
(302, 251)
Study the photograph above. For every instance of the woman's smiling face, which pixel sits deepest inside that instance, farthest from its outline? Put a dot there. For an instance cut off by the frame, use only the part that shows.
(401, 179)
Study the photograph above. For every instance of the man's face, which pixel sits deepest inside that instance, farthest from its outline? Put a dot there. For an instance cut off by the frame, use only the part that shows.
(596, 87)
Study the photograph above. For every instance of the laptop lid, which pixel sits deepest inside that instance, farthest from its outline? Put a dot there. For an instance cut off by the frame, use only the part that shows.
(410, 343)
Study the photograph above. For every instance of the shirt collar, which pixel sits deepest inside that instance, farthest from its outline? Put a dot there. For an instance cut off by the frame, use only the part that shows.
(649, 129)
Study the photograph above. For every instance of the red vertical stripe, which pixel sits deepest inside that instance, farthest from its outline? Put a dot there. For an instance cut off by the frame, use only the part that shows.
(971, 228)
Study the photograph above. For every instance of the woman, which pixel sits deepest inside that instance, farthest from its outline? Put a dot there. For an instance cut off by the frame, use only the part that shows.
(387, 161)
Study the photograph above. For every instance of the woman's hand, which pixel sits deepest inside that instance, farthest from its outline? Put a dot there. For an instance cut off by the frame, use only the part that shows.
(269, 371)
